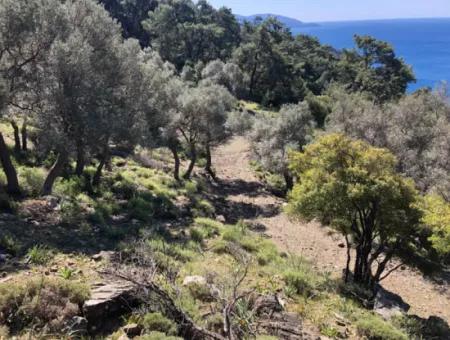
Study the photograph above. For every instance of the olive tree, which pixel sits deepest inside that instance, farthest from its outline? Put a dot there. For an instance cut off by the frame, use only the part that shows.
(85, 88)
(202, 120)
(27, 30)
(356, 189)
(227, 74)
(416, 129)
(273, 136)
(161, 112)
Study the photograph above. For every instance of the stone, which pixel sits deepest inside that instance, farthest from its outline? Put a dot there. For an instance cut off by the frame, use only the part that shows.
(104, 256)
(77, 326)
(132, 330)
(221, 219)
(388, 304)
(191, 280)
(109, 300)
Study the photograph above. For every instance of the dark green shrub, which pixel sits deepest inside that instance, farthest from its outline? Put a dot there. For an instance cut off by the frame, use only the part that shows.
(141, 209)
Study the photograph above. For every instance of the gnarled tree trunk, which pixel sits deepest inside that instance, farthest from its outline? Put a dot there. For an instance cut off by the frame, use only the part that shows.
(288, 180)
(193, 159)
(208, 166)
(79, 168)
(54, 172)
(17, 145)
(103, 160)
(12, 185)
(24, 132)
(176, 158)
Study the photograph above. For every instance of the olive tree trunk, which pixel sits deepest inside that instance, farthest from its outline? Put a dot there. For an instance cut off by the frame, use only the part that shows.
(176, 169)
(17, 145)
(103, 160)
(193, 159)
(208, 166)
(54, 173)
(81, 160)
(24, 132)
(12, 185)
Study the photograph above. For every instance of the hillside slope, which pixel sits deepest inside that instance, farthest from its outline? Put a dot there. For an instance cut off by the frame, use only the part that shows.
(311, 240)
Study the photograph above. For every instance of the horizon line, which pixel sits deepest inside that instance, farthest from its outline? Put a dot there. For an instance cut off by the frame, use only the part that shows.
(346, 20)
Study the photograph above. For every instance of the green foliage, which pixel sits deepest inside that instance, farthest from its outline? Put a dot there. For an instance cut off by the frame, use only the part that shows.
(208, 227)
(376, 70)
(203, 208)
(368, 196)
(437, 218)
(140, 208)
(72, 212)
(272, 138)
(196, 235)
(40, 301)
(374, 328)
(300, 277)
(10, 244)
(66, 273)
(186, 32)
(39, 255)
(158, 322)
(32, 180)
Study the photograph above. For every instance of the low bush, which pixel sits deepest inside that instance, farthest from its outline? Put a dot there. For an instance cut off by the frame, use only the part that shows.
(203, 208)
(300, 277)
(159, 323)
(374, 328)
(41, 302)
(71, 187)
(39, 255)
(72, 212)
(32, 180)
(196, 235)
(10, 244)
(141, 209)
(205, 228)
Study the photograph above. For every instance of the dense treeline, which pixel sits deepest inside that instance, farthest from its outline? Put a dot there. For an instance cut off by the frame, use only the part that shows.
(169, 73)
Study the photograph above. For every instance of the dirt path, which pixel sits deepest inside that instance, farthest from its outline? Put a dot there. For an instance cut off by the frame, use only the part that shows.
(246, 198)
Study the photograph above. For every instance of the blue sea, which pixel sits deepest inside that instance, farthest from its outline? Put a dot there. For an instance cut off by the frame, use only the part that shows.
(422, 43)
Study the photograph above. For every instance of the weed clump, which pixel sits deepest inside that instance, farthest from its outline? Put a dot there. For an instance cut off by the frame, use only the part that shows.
(374, 328)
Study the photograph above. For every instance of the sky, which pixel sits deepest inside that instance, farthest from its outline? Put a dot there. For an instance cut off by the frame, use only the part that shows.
(338, 10)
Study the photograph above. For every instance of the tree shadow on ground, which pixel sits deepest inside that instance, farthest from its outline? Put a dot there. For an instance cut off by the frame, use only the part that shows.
(65, 238)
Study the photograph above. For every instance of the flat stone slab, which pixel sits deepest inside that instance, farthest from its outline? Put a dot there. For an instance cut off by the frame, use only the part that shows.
(107, 300)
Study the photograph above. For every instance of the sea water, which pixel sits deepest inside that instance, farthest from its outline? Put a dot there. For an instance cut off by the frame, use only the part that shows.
(422, 43)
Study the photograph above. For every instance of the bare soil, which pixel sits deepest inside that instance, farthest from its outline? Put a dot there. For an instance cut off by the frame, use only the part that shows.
(244, 197)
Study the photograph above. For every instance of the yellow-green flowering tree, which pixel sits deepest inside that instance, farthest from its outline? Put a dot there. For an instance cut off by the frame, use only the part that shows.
(355, 188)
(437, 218)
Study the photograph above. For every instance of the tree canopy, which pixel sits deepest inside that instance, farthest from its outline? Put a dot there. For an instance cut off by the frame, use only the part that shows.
(372, 205)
